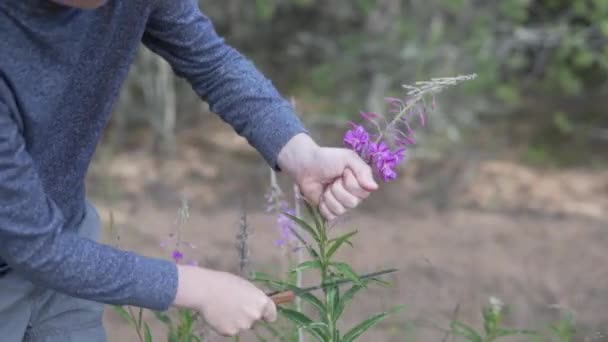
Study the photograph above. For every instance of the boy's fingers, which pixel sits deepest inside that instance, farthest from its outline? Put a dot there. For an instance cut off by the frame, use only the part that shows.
(325, 211)
(334, 206)
(352, 185)
(347, 199)
(363, 172)
(270, 311)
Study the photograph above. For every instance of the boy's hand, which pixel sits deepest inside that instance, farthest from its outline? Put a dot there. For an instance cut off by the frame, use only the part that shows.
(335, 179)
(230, 304)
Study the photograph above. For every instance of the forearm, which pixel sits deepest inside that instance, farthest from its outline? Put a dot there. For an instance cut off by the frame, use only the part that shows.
(219, 74)
(35, 242)
(82, 268)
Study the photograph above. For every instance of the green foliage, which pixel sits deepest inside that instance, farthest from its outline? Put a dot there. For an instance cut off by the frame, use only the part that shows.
(565, 329)
(492, 326)
(136, 321)
(329, 308)
(182, 331)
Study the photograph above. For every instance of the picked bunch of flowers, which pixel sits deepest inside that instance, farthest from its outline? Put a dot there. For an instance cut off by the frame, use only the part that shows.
(384, 144)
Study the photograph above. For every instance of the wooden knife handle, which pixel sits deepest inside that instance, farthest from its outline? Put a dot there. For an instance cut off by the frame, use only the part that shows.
(283, 297)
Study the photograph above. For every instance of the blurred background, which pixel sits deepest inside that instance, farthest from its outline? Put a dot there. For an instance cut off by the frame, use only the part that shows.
(506, 194)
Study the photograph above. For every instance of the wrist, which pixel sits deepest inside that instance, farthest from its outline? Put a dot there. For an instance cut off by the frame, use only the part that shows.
(298, 155)
(189, 287)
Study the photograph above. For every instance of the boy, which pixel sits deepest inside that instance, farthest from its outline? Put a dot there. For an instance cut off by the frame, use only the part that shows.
(62, 63)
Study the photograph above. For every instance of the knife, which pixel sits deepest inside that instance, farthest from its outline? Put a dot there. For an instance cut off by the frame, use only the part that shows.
(282, 297)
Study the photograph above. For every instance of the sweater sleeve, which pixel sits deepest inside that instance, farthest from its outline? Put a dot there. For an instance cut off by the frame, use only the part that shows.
(34, 244)
(230, 83)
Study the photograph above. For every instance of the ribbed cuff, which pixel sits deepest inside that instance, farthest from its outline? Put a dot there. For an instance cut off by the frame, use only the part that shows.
(278, 127)
(156, 285)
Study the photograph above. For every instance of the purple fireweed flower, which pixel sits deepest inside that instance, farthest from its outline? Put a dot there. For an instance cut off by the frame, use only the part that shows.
(177, 256)
(387, 166)
(357, 138)
(369, 116)
(421, 113)
(285, 226)
(379, 153)
(406, 141)
(384, 161)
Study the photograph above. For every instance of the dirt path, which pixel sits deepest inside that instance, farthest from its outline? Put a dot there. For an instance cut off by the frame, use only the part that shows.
(536, 239)
(460, 258)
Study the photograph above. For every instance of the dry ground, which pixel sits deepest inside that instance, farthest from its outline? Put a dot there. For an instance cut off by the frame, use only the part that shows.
(535, 239)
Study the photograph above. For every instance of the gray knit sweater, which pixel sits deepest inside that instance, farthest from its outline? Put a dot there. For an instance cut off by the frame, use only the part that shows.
(60, 72)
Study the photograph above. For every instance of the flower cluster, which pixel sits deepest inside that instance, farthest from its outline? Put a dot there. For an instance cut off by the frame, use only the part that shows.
(285, 226)
(383, 160)
(275, 203)
(175, 242)
(375, 148)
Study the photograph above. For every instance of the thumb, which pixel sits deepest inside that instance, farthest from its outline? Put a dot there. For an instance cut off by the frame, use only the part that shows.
(363, 172)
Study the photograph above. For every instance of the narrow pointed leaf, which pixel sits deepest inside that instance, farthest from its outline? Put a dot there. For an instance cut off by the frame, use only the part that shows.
(513, 332)
(274, 332)
(314, 301)
(465, 331)
(307, 265)
(304, 225)
(347, 297)
(337, 242)
(332, 301)
(347, 271)
(314, 213)
(269, 280)
(163, 317)
(366, 325)
(124, 314)
(147, 333)
(303, 321)
(313, 253)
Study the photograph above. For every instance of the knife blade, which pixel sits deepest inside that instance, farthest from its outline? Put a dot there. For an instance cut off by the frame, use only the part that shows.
(286, 296)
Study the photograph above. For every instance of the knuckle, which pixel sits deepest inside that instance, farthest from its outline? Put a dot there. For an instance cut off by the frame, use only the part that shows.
(353, 203)
(228, 332)
(352, 154)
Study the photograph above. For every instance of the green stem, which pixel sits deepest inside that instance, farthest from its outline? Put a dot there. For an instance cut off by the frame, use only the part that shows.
(397, 117)
(137, 323)
(325, 275)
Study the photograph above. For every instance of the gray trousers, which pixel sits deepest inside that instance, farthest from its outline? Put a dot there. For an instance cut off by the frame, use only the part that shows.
(29, 313)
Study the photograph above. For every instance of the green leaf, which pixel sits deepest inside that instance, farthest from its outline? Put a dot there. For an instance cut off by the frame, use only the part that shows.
(307, 265)
(347, 271)
(465, 331)
(122, 312)
(314, 213)
(270, 281)
(366, 325)
(147, 334)
(514, 332)
(337, 242)
(304, 225)
(274, 332)
(314, 301)
(163, 317)
(332, 300)
(347, 297)
(313, 253)
(302, 321)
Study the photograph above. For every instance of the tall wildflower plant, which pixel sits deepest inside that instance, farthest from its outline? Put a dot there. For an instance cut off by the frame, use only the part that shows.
(382, 141)
(182, 325)
(493, 329)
